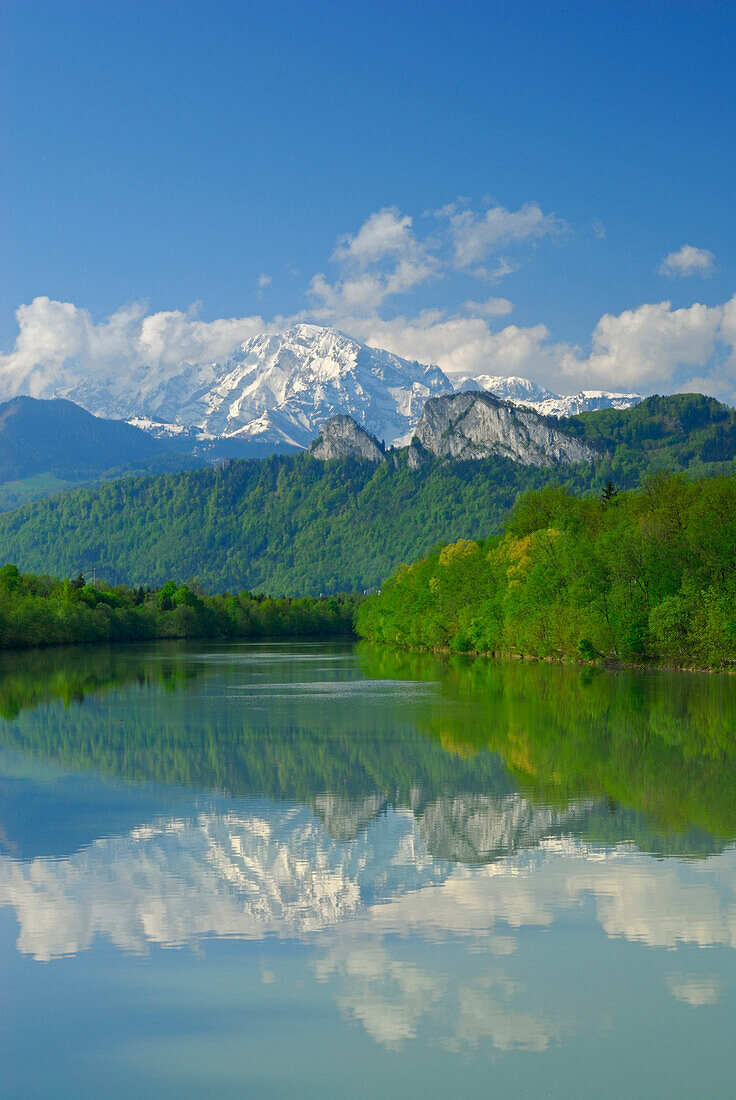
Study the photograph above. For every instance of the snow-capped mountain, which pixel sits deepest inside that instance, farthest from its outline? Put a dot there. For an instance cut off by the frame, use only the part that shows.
(277, 389)
(522, 391)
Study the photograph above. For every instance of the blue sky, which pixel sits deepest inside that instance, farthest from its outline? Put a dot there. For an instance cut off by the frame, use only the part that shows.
(218, 158)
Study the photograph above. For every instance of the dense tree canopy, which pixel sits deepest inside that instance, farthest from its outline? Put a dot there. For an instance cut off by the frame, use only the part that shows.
(642, 575)
(41, 610)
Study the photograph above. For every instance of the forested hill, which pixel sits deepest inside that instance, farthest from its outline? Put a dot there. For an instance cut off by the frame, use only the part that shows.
(294, 525)
(645, 575)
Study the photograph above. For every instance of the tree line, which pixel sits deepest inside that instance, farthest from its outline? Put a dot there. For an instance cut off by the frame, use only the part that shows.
(42, 610)
(644, 575)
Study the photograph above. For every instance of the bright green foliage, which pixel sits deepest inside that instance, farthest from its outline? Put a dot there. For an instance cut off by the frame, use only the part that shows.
(293, 525)
(36, 611)
(644, 575)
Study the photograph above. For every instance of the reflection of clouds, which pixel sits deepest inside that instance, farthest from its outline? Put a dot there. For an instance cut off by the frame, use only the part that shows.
(695, 991)
(387, 995)
(490, 1011)
(391, 998)
(275, 870)
(654, 902)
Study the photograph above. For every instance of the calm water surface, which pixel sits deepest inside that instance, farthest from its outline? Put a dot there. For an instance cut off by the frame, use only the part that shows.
(306, 870)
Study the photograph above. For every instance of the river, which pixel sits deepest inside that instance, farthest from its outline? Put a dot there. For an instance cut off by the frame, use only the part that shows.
(322, 870)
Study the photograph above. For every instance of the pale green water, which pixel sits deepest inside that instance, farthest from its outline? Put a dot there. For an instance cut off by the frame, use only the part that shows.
(301, 870)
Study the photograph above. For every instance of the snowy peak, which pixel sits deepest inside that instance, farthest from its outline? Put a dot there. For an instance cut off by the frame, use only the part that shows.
(282, 388)
(586, 401)
(522, 391)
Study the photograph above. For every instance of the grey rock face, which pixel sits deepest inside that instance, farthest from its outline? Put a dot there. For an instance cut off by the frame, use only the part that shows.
(478, 425)
(341, 437)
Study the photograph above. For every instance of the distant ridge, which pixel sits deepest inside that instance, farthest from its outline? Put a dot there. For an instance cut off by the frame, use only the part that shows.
(59, 437)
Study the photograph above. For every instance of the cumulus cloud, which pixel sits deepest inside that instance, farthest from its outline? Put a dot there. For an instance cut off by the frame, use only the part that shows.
(382, 259)
(59, 343)
(264, 280)
(492, 307)
(648, 346)
(386, 257)
(477, 236)
(651, 348)
(688, 260)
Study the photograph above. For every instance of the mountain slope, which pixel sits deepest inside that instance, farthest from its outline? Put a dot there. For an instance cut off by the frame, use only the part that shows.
(60, 438)
(479, 425)
(47, 446)
(274, 389)
(294, 525)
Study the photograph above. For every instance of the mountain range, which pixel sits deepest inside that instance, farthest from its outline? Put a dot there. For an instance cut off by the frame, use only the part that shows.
(345, 517)
(274, 392)
(272, 395)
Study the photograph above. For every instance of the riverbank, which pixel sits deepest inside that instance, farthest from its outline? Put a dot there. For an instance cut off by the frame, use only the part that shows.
(38, 611)
(642, 578)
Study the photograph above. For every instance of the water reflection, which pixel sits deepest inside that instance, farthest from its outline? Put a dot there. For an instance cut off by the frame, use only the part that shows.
(268, 870)
(440, 840)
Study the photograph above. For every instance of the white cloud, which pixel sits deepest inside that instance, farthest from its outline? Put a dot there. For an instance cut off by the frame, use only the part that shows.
(688, 260)
(492, 307)
(382, 259)
(264, 280)
(599, 229)
(650, 348)
(59, 343)
(647, 346)
(386, 257)
(463, 345)
(477, 236)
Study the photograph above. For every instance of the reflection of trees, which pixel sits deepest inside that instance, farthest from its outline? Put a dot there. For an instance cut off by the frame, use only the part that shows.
(659, 742)
(31, 678)
(146, 714)
(648, 757)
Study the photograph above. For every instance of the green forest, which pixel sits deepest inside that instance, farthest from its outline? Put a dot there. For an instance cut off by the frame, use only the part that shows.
(644, 575)
(295, 526)
(42, 610)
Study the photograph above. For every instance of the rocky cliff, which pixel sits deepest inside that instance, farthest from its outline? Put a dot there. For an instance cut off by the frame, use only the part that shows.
(478, 425)
(341, 437)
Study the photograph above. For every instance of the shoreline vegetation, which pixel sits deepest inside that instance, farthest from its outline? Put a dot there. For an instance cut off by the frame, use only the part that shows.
(641, 578)
(40, 611)
(644, 578)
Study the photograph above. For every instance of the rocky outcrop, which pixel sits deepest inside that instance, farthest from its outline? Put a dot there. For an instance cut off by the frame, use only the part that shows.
(341, 437)
(478, 425)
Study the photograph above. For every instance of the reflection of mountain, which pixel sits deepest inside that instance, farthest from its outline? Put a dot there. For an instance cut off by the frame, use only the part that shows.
(478, 829)
(260, 869)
